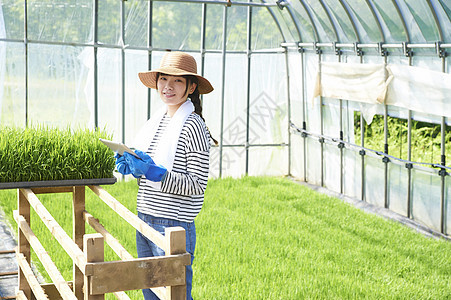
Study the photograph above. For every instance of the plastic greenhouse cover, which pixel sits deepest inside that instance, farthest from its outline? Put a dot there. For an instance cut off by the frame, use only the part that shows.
(345, 31)
(374, 21)
(421, 26)
(391, 23)
(409, 87)
(2, 58)
(364, 21)
(323, 26)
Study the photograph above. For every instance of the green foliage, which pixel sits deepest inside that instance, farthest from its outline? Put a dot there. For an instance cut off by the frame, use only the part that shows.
(425, 138)
(42, 153)
(270, 238)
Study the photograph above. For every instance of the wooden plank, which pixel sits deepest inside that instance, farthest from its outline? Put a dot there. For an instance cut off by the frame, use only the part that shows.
(121, 296)
(147, 272)
(9, 297)
(159, 291)
(52, 190)
(109, 239)
(52, 292)
(94, 250)
(7, 251)
(23, 244)
(176, 239)
(9, 273)
(44, 257)
(130, 217)
(60, 235)
(32, 280)
(78, 207)
(21, 295)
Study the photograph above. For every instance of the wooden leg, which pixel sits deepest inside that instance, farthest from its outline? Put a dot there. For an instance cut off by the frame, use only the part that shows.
(23, 244)
(176, 238)
(94, 251)
(78, 232)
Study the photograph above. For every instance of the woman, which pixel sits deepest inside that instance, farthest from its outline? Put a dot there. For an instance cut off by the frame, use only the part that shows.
(174, 165)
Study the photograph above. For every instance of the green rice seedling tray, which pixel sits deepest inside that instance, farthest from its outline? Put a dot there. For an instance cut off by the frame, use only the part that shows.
(44, 157)
(56, 183)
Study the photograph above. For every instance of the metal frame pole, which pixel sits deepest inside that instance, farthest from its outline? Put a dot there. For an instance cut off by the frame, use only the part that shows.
(443, 172)
(149, 57)
(409, 155)
(304, 123)
(123, 69)
(95, 43)
(386, 160)
(362, 142)
(321, 117)
(341, 144)
(248, 87)
(287, 63)
(409, 165)
(26, 59)
(202, 39)
(223, 53)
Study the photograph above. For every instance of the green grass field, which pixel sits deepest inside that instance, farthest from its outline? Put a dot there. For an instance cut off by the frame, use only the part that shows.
(271, 238)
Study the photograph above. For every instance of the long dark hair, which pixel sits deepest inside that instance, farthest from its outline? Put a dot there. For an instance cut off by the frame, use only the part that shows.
(195, 99)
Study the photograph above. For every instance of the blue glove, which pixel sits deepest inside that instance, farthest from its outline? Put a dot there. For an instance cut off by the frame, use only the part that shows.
(145, 166)
(121, 165)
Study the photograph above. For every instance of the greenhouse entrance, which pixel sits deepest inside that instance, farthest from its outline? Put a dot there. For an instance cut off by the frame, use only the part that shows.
(350, 96)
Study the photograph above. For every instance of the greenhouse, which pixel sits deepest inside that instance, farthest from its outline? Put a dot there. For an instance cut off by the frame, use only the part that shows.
(351, 96)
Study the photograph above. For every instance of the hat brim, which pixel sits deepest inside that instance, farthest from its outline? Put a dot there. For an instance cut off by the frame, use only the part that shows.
(149, 78)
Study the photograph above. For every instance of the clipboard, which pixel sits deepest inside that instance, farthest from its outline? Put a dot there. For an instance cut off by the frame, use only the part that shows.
(120, 148)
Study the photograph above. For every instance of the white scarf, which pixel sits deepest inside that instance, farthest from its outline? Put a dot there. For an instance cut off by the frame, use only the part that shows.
(165, 149)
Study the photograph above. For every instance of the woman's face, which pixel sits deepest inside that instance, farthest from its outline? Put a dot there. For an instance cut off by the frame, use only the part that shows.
(173, 91)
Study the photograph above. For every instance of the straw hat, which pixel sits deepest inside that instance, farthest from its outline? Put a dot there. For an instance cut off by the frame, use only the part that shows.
(177, 64)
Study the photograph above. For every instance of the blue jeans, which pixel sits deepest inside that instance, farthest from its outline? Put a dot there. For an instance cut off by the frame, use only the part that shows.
(147, 248)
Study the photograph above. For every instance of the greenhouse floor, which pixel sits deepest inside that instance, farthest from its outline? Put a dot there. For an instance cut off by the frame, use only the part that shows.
(8, 263)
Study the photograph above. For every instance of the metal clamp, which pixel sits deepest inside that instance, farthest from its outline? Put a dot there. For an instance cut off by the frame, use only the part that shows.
(385, 159)
(409, 166)
(316, 48)
(321, 140)
(357, 50)
(439, 50)
(362, 152)
(341, 145)
(407, 51)
(336, 49)
(281, 4)
(442, 172)
(382, 51)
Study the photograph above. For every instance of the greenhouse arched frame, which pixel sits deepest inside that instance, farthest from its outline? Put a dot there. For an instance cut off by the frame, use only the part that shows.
(349, 95)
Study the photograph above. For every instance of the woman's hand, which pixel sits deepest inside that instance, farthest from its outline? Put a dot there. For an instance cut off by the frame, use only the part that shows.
(122, 165)
(145, 166)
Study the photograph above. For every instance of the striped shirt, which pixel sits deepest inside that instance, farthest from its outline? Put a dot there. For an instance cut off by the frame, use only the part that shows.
(182, 191)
